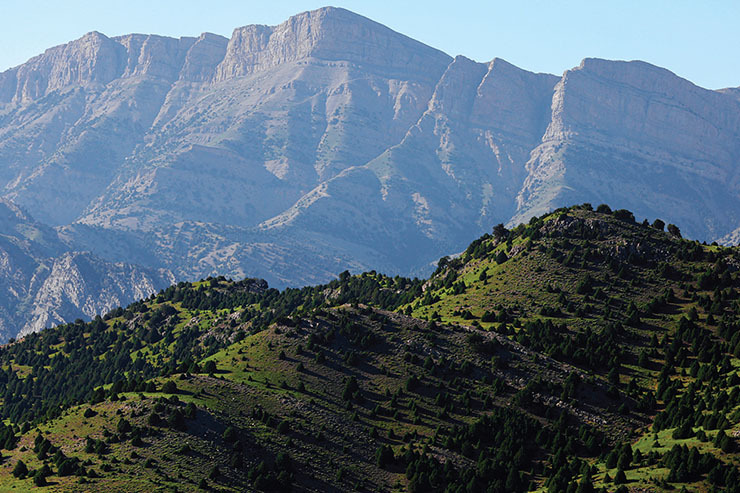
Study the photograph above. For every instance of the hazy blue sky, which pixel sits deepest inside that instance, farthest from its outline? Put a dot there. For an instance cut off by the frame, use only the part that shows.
(699, 40)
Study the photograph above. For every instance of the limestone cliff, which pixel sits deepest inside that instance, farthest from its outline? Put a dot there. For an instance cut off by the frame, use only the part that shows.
(44, 281)
(633, 134)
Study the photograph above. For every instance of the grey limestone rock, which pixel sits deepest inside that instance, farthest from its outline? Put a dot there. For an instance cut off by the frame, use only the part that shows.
(328, 142)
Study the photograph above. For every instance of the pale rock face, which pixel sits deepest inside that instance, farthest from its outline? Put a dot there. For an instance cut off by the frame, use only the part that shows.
(327, 34)
(79, 285)
(328, 142)
(731, 91)
(632, 103)
(93, 59)
(43, 283)
(453, 173)
(633, 134)
(203, 58)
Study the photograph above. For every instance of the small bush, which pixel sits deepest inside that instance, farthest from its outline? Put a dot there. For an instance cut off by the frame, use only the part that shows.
(169, 387)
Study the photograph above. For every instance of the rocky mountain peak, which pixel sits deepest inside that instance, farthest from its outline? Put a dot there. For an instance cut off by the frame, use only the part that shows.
(456, 91)
(329, 34)
(94, 58)
(514, 96)
(632, 103)
(733, 92)
(151, 55)
(206, 52)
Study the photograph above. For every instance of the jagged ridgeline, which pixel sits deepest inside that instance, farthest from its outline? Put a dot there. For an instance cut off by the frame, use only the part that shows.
(582, 351)
(254, 155)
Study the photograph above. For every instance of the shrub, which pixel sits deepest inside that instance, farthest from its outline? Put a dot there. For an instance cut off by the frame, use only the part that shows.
(39, 479)
(210, 367)
(624, 215)
(283, 427)
(384, 456)
(123, 426)
(169, 387)
(229, 434)
(20, 470)
(190, 410)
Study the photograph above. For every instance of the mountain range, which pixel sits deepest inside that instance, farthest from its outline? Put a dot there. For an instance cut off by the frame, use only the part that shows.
(328, 142)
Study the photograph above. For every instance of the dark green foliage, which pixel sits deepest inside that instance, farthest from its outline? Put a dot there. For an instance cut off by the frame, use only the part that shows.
(20, 470)
(39, 479)
(123, 426)
(350, 387)
(585, 285)
(624, 215)
(209, 368)
(620, 477)
(169, 387)
(283, 427)
(229, 434)
(592, 350)
(503, 442)
(384, 456)
(683, 431)
(688, 464)
(500, 233)
(482, 344)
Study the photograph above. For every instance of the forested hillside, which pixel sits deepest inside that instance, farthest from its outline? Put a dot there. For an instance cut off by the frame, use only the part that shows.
(582, 351)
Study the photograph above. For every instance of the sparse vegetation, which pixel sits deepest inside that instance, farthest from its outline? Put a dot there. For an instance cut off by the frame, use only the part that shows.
(578, 352)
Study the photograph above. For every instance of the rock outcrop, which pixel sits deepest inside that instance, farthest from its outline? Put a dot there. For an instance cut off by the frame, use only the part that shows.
(44, 281)
(80, 285)
(636, 135)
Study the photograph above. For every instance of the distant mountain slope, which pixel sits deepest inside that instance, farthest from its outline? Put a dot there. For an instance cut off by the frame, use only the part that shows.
(44, 282)
(633, 134)
(331, 142)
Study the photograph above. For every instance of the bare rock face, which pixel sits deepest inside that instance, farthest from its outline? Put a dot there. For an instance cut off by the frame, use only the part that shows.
(633, 134)
(44, 282)
(328, 142)
(633, 103)
(455, 171)
(328, 34)
(731, 91)
(80, 285)
(203, 57)
(92, 59)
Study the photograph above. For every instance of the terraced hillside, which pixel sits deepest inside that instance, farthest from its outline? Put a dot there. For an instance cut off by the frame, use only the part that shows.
(579, 352)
